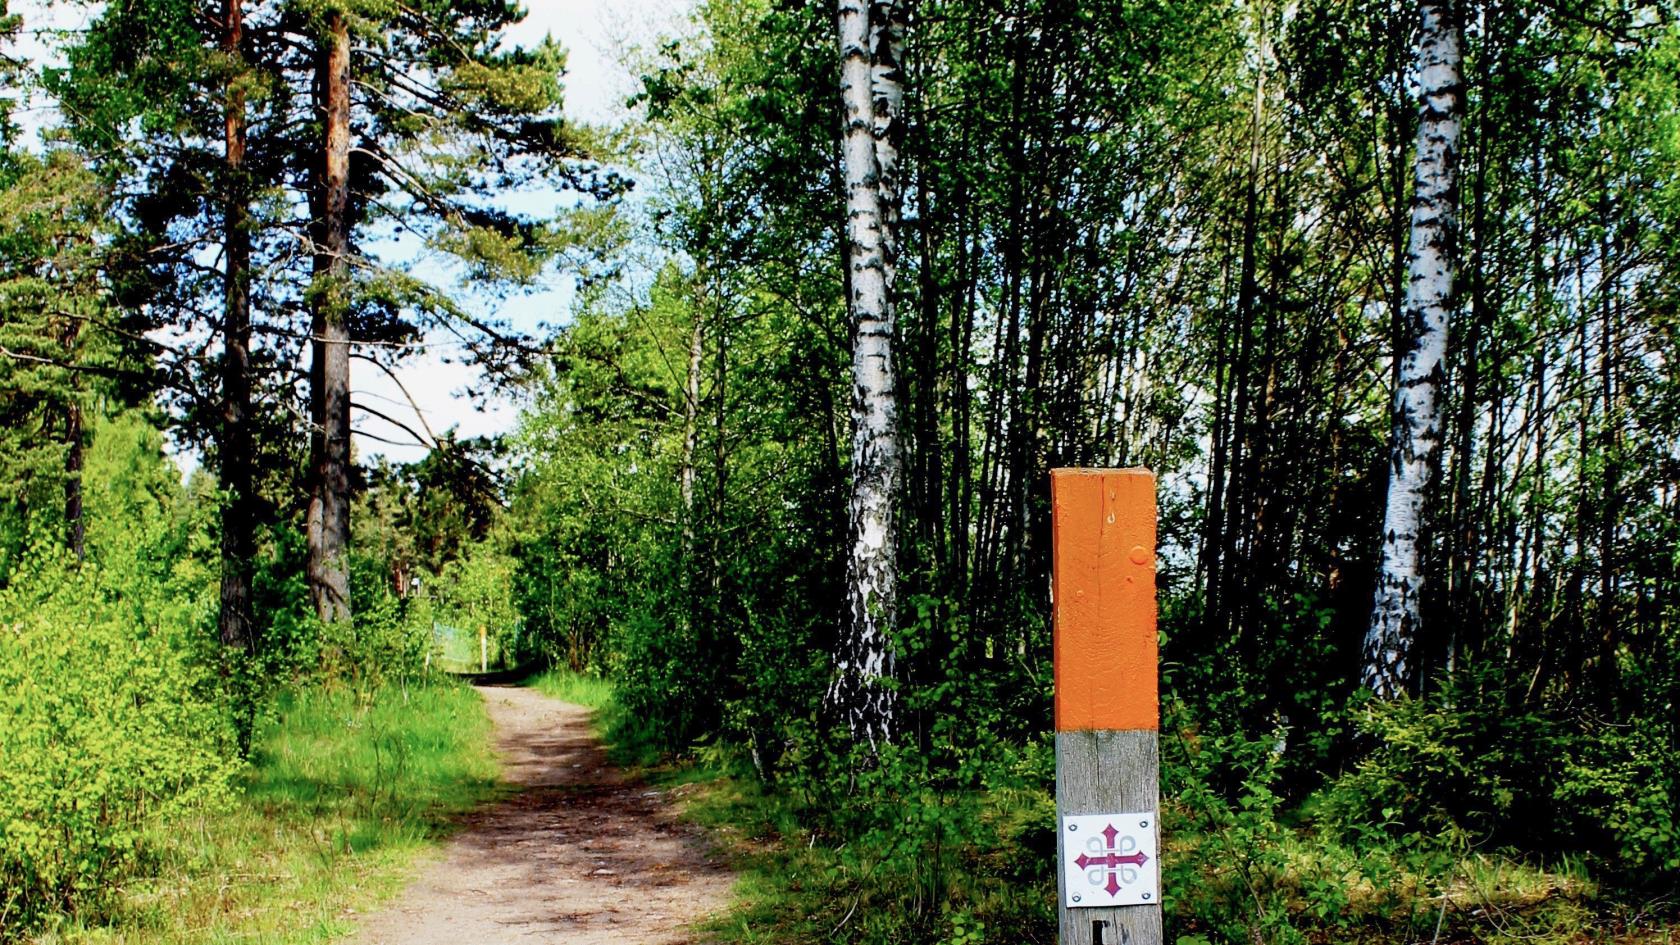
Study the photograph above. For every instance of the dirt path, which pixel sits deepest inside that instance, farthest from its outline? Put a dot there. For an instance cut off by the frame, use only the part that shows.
(579, 856)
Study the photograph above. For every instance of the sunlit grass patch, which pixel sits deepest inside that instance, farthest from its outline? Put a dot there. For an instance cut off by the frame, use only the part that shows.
(346, 791)
(630, 740)
(802, 885)
(591, 692)
(783, 893)
(1306, 886)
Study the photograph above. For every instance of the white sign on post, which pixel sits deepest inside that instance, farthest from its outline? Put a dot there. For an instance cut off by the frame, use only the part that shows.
(1110, 860)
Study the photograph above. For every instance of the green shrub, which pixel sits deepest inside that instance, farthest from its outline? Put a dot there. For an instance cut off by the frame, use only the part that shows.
(382, 643)
(1463, 764)
(110, 710)
(1226, 868)
(476, 590)
(1434, 769)
(1622, 785)
(663, 673)
(109, 727)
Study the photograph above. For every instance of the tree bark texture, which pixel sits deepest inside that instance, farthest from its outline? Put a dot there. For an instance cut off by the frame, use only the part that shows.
(871, 39)
(1395, 613)
(75, 525)
(238, 509)
(691, 424)
(329, 506)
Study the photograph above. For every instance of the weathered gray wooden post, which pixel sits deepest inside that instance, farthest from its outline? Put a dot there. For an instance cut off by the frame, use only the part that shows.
(1107, 707)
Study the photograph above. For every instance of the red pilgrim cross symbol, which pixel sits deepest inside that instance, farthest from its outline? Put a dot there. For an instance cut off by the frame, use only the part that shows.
(1113, 858)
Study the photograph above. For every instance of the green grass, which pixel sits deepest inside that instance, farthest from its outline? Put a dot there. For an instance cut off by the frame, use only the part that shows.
(591, 692)
(345, 794)
(940, 867)
(784, 893)
(801, 883)
(630, 741)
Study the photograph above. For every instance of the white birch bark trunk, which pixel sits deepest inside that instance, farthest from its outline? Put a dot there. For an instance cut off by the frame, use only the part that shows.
(886, 90)
(1428, 306)
(862, 692)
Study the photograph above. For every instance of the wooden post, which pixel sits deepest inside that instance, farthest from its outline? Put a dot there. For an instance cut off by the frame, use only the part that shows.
(483, 651)
(1107, 707)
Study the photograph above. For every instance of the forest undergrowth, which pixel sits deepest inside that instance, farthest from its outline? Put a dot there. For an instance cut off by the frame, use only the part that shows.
(345, 791)
(129, 810)
(902, 854)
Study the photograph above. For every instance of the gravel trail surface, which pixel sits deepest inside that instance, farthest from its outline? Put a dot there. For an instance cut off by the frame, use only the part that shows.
(581, 854)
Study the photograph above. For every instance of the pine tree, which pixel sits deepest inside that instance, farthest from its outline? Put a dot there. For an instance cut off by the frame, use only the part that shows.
(421, 121)
(237, 454)
(377, 119)
(329, 330)
(56, 356)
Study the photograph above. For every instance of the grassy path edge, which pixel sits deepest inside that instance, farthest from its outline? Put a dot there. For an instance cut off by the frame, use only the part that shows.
(348, 795)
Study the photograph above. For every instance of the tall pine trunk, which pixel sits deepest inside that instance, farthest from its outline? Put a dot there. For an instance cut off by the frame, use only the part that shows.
(871, 37)
(238, 505)
(329, 504)
(1395, 612)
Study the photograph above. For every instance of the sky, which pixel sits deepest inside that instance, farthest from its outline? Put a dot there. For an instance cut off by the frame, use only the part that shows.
(595, 34)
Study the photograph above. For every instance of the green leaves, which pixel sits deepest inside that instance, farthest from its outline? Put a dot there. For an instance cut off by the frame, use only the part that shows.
(114, 727)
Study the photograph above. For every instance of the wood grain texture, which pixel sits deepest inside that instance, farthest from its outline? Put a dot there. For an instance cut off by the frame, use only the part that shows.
(1100, 772)
(1104, 591)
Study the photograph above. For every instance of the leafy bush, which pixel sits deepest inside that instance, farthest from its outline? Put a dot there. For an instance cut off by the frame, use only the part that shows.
(1622, 785)
(109, 728)
(291, 635)
(1462, 764)
(1227, 868)
(1439, 769)
(111, 708)
(476, 590)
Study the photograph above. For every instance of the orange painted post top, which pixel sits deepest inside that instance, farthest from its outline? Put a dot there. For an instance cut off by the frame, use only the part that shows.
(1104, 596)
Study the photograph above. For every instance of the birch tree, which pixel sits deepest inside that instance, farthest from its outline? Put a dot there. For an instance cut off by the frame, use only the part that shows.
(1416, 438)
(871, 92)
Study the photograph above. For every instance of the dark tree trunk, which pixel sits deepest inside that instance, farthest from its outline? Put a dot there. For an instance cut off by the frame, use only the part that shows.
(238, 486)
(329, 506)
(1607, 631)
(75, 527)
